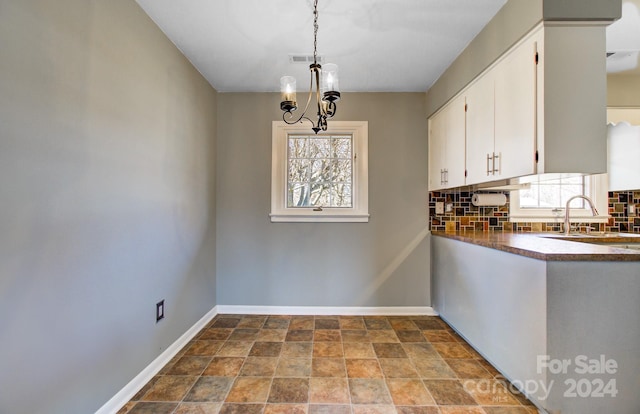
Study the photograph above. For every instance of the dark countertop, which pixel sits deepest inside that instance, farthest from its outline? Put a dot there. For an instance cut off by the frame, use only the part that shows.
(551, 246)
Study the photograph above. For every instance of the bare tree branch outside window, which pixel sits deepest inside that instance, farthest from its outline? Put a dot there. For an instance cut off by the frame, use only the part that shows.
(320, 171)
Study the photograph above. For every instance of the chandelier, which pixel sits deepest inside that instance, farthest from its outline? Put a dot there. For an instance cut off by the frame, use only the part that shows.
(326, 89)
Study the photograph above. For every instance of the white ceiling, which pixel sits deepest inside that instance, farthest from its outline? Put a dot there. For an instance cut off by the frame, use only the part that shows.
(623, 38)
(379, 45)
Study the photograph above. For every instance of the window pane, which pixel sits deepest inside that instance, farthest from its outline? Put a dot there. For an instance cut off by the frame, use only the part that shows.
(552, 194)
(319, 147)
(569, 191)
(341, 147)
(341, 171)
(298, 195)
(529, 197)
(573, 180)
(320, 194)
(341, 195)
(298, 170)
(298, 147)
(320, 171)
(548, 196)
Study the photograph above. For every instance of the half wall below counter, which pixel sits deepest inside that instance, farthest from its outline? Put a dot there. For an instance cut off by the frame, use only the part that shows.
(525, 302)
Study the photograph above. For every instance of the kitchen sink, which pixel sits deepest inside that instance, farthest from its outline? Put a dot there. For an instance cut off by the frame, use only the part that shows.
(598, 235)
(632, 246)
(611, 239)
(595, 235)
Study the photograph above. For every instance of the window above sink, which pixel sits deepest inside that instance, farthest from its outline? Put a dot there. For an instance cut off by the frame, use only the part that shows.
(545, 199)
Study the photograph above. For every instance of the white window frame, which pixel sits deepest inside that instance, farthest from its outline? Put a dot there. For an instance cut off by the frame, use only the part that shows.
(598, 192)
(359, 213)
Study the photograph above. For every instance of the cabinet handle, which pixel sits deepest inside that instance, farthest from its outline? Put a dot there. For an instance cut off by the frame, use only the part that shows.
(441, 176)
(446, 176)
(498, 156)
(488, 159)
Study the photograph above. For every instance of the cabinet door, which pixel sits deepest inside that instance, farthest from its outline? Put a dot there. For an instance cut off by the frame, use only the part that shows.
(455, 143)
(623, 141)
(480, 129)
(515, 112)
(437, 154)
(447, 146)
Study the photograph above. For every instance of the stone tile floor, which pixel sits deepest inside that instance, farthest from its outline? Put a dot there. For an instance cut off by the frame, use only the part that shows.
(246, 364)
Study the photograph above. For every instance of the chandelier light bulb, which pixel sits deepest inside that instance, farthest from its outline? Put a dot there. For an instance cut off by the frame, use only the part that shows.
(330, 78)
(288, 93)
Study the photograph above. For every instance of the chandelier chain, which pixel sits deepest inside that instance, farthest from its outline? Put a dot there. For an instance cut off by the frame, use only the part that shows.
(315, 30)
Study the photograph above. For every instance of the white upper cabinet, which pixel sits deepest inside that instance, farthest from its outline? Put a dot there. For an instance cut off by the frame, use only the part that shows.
(447, 146)
(437, 151)
(540, 108)
(455, 144)
(515, 110)
(480, 162)
(501, 117)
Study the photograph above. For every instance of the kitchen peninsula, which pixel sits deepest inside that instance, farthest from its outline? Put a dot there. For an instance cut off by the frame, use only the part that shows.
(523, 300)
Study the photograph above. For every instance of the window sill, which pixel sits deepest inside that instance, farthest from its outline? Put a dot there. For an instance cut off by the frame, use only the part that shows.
(559, 219)
(318, 217)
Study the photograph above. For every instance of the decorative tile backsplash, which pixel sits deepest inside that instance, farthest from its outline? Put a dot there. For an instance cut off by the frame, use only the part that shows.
(461, 215)
(621, 220)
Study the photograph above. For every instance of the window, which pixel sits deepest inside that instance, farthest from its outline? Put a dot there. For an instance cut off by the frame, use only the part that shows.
(319, 177)
(545, 199)
(320, 171)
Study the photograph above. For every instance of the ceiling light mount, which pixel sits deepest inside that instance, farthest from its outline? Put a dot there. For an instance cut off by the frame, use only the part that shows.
(326, 88)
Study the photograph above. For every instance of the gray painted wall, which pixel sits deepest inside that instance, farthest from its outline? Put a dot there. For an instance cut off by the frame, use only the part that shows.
(512, 21)
(623, 90)
(381, 263)
(107, 200)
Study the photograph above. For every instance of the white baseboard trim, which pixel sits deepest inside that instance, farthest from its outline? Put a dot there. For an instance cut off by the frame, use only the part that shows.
(327, 310)
(125, 394)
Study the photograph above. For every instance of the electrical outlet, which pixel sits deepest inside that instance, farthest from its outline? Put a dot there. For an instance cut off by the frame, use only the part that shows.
(439, 207)
(448, 207)
(159, 311)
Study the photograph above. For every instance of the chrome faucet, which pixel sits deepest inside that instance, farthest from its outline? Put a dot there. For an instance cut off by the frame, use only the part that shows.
(567, 224)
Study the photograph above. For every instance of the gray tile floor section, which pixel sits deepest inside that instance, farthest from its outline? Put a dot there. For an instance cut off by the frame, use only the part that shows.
(245, 364)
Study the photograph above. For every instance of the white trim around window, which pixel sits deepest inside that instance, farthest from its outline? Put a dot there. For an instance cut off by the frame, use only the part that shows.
(359, 212)
(597, 192)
